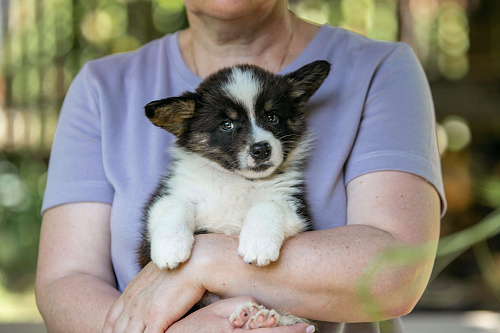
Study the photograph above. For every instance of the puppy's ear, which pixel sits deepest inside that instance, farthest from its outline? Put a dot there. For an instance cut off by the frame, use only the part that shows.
(307, 79)
(172, 113)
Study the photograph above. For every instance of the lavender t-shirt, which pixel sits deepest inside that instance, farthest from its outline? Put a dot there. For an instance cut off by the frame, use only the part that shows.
(374, 112)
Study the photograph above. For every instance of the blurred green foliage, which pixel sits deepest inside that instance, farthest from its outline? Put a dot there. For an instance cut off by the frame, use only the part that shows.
(22, 181)
(448, 249)
(46, 42)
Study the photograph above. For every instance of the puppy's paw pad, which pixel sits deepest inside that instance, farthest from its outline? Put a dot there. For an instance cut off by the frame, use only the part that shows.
(264, 319)
(242, 315)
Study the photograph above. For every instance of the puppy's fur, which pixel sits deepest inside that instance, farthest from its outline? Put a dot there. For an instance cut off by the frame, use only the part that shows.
(238, 159)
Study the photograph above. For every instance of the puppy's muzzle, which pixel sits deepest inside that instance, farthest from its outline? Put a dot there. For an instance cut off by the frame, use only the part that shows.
(260, 151)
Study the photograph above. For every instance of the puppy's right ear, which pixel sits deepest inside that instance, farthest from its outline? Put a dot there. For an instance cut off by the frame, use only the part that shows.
(307, 79)
(172, 113)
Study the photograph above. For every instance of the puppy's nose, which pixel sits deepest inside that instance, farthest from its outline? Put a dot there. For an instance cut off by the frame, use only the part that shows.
(260, 150)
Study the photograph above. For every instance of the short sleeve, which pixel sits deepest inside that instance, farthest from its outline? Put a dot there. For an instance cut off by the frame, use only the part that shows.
(398, 130)
(76, 172)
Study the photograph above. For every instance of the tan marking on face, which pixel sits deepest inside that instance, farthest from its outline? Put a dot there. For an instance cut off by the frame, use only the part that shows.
(199, 142)
(231, 113)
(268, 106)
(295, 124)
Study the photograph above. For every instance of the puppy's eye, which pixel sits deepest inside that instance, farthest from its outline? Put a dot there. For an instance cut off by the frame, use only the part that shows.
(273, 118)
(227, 125)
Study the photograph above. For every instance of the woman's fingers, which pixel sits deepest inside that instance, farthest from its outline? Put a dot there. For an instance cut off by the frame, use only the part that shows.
(154, 328)
(113, 315)
(132, 326)
(153, 300)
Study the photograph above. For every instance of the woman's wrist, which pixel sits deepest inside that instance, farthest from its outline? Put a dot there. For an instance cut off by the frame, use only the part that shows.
(213, 257)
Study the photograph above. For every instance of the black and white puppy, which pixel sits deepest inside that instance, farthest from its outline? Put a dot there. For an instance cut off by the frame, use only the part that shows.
(238, 159)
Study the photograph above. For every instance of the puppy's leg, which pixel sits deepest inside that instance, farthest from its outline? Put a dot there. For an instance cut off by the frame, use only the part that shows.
(262, 234)
(170, 230)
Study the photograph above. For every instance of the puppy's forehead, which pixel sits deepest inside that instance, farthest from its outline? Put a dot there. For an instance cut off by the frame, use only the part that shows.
(243, 86)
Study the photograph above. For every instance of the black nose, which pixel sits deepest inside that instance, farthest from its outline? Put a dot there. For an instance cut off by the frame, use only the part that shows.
(260, 150)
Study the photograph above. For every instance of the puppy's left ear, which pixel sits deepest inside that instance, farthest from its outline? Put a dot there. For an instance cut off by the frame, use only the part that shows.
(308, 79)
(172, 113)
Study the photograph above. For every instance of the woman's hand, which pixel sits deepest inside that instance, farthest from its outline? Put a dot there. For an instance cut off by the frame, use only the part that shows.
(154, 300)
(214, 318)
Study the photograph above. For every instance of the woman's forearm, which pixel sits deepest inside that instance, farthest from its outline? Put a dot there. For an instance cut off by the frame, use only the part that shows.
(322, 275)
(75, 303)
(374, 268)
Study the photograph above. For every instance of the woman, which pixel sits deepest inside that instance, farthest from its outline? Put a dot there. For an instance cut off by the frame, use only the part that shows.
(373, 179)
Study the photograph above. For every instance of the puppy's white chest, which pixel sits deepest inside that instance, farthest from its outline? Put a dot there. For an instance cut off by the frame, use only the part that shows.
(223, 208)
(221, 199)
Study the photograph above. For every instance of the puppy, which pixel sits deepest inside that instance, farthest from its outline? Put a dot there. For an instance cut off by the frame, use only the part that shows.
(240, 149)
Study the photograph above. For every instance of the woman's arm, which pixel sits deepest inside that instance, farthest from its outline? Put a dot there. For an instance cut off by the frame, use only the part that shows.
(319, 273)
(75, 284)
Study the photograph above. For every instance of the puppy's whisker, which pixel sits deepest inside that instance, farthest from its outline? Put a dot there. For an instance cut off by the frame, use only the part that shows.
(287, 135)
(295, 142)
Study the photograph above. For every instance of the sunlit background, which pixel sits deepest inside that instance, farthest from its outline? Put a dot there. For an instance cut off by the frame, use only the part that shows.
(44, 43)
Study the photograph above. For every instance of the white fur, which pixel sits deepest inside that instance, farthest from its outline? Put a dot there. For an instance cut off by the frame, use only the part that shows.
(263, 233)
(171, 228)
(203, 195)
(243, 86)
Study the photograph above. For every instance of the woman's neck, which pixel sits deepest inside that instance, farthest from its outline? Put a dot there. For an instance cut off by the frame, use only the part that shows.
(270, 41)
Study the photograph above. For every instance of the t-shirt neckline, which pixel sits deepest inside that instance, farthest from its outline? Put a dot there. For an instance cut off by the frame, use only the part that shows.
(307, 55)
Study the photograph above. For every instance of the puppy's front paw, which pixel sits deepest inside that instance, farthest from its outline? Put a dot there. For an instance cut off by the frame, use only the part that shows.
(259, 250)
(170, 250)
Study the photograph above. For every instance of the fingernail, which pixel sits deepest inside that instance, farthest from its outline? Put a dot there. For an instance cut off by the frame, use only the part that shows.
(310, 329)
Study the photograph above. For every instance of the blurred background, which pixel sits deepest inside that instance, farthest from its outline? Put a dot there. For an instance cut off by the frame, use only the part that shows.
(44, 43)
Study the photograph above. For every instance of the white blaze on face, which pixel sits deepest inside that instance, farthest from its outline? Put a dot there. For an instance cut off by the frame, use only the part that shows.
(243, 87)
